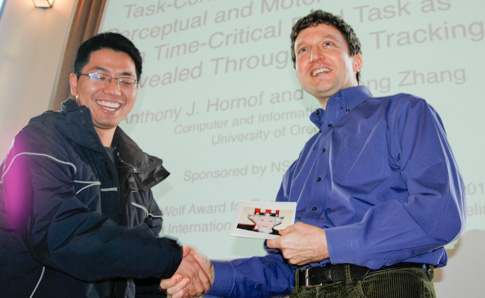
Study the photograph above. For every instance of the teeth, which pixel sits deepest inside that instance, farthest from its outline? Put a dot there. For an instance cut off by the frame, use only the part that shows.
(112, 106)
(320, 70)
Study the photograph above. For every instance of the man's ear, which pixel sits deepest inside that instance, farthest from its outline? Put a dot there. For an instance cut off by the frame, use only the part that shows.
(73, 83)
(357, 62)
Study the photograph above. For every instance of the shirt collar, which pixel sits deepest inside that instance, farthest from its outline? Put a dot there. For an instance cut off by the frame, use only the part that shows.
(345, 99)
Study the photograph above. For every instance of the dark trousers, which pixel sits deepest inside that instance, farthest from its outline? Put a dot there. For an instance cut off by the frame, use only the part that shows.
(394, 283)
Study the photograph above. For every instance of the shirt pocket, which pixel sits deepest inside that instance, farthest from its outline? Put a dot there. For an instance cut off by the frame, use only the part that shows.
(360, 160)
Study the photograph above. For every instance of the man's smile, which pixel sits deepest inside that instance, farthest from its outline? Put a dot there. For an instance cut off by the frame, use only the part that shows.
(320, 70)
(108, 105)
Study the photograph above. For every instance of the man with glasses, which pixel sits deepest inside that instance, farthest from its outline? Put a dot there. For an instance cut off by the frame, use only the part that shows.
(77, 216)
(378, 190)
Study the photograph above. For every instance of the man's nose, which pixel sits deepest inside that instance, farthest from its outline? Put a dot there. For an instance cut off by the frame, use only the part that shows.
(112, 87)
(315, 54)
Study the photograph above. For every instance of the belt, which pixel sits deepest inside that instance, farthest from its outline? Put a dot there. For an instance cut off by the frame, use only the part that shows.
(316, 276)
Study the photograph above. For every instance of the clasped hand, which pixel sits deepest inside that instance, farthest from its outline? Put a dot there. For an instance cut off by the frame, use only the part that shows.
(300, 244)
(193, 277)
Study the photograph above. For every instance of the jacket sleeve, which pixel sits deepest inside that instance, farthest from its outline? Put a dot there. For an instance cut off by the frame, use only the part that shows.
(154, 218)
(252, 277)
(150, 287)
(62, 233)
(433, 213)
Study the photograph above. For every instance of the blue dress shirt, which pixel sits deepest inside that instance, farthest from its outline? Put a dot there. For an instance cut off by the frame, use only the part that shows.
(379, 177)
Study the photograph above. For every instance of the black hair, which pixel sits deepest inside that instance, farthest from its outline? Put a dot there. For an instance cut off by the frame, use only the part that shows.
(108, 40)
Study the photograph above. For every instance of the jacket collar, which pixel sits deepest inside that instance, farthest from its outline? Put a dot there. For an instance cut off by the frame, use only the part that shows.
(79, 125)
(146, 170)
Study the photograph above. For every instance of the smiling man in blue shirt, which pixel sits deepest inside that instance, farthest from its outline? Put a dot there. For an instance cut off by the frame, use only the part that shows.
(378, 190)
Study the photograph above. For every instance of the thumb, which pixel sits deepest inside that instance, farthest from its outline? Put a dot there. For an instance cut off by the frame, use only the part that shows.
(186, 250)
(285, 231)
(199, 258)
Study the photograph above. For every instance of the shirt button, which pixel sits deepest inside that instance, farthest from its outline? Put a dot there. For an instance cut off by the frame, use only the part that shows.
(330, 125)
(317, 112)
(319, 179)
(314, 208)
(347, 110)
(323, 150)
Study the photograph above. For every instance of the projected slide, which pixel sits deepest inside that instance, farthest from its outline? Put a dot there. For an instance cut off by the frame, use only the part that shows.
(219, 101)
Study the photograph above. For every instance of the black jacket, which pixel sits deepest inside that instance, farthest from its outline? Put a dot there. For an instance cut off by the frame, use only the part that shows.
(72, 223)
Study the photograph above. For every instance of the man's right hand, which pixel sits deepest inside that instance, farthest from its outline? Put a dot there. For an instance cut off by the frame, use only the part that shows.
(194, 276)
(301, 244)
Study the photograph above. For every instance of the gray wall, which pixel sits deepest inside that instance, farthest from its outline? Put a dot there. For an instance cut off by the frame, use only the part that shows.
(32, 42)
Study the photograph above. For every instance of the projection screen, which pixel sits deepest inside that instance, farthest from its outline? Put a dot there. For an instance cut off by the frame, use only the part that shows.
(219, 102)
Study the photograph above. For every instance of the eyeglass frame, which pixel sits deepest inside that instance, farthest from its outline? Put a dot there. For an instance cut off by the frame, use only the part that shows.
(117, 80)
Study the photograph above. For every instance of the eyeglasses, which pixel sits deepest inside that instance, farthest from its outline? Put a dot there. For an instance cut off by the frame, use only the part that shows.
(104, 79)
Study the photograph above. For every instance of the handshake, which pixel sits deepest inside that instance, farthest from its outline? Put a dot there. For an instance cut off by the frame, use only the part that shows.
(193, 277)
(300, 244)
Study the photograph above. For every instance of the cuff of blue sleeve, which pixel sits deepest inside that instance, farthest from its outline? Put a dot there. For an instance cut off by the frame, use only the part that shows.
(224, 279)
(342, 245)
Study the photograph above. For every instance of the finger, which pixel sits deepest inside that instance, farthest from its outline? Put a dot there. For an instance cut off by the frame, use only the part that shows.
(287, 230)
(299, 261)
(170, 282)
(179, 294)
(180, 288)
(195, 291)
(284, 232)
(271, 243)
(204, 278)
(206, 266)
(196, 287)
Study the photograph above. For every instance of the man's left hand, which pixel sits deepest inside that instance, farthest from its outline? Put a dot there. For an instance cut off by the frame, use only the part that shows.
(301, 244)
